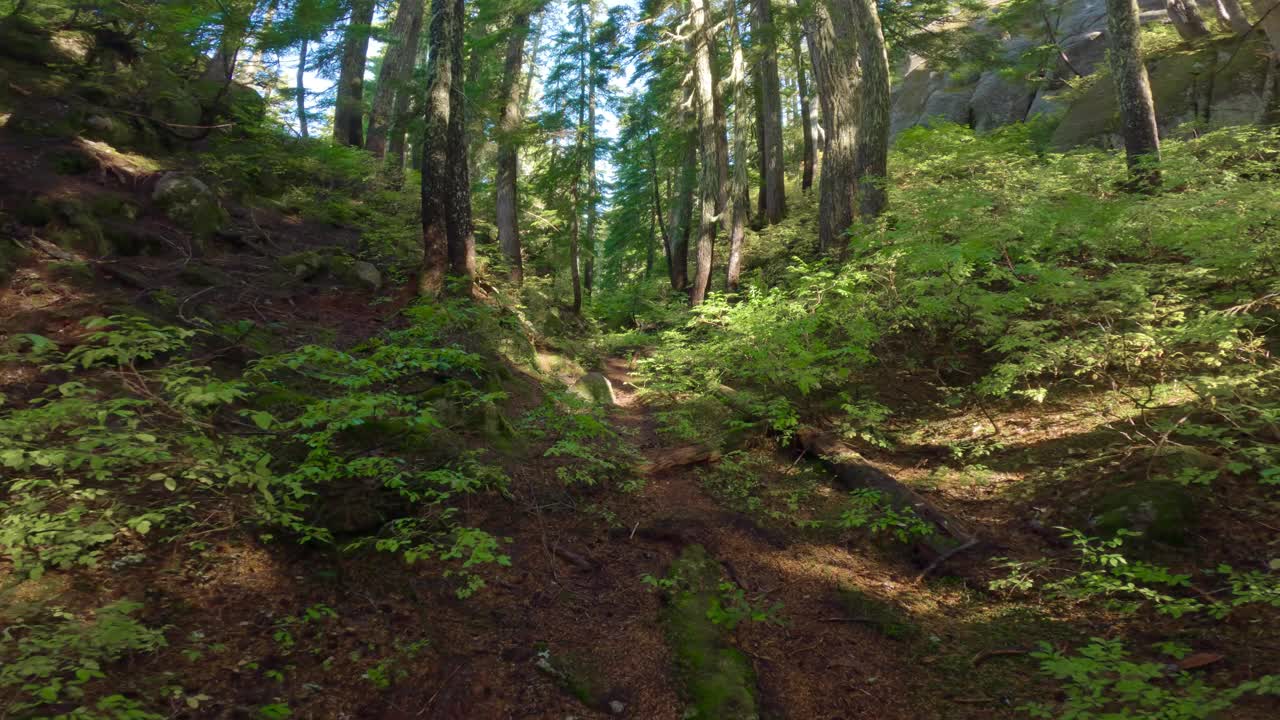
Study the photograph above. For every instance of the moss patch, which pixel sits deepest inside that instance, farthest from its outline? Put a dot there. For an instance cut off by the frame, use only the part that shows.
(718, 680)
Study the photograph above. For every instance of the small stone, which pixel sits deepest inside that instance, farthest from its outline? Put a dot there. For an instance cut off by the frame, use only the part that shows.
(617, 707)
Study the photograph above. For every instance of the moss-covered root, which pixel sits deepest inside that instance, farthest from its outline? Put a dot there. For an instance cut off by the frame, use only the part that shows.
(718, 680)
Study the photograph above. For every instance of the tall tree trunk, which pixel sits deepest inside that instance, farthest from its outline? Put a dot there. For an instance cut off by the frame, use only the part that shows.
(462, 240)
(762, 151)
(506, 202)
(1186, 19)
(533, 68)
(436, 175)
(301, 88)
(395, 73)
(806, 117)
(408, 105)
(1231, 17)
(1269, 20)
(348, 109)
(775, 201)
(711, 133)
(580, 151)
(680, 224)
(1133, 88)
(871, 156)
(739, 193)
(835, 70)
(593, 183)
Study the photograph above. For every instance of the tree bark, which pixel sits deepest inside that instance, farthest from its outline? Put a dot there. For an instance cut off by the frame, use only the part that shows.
(806, 118)
(1269, 20)
(302, 89)
(507, 201)
(1232, 17)
(462, 240)
(436, 175)
(395, 73)
(774, 163)
(835, 70)
(1133, 89)
(681, 216)
(711, 133)
(871, 156)
(1186, 19)
(593, 180)
(348, 109)
(739, 192)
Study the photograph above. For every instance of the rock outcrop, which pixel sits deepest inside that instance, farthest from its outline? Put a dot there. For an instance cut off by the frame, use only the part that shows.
(1214, 82)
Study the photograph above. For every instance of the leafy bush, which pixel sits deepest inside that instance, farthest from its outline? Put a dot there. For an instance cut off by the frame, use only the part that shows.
(1101, 681)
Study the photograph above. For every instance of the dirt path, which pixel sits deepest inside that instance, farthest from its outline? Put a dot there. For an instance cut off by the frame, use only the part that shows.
(817, 665)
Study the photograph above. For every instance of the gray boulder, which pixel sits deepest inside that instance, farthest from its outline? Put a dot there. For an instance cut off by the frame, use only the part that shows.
(189, 202)
(595, 387)
(999, 101)
(366, 275)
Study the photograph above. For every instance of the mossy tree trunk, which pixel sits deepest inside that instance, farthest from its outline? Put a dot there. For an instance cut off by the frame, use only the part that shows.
(773, 162)
(506, 201)
(348, 109)
(395, 73)
(1186, 19)
(711, 139)
(1133, 90)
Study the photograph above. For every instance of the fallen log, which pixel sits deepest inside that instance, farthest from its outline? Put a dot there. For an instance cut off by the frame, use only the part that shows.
(854, 472)
(678, 457)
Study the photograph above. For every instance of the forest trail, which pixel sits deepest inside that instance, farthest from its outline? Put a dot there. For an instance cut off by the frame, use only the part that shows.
(818, 663)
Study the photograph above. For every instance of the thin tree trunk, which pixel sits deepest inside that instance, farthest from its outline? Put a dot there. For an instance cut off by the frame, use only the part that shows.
(1133, 89)
(395, 73)
(462, 240)
(1186, 19)
(806, 117)
(681, 217)
(236, 18)
(762, 151)
(348, 110)
(835, 70)
(408, 105)
(533, 68)
(657, 208)
(302, 88)
(871, 156)
(507, 201)
(738, 191)
(436, 175)
(1232, 17)
(715, 169)
(774, 162)
(593, 182)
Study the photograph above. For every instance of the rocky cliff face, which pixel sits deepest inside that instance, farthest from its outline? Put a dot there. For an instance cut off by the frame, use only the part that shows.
(1220, 81)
